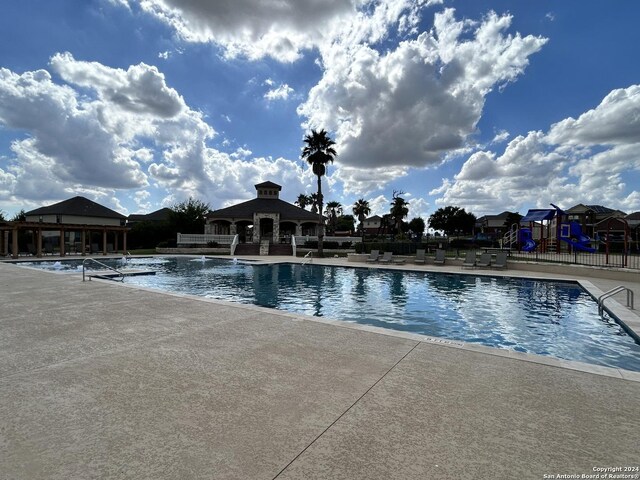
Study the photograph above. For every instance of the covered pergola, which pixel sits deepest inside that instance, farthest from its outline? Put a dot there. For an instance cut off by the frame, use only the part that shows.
(10, 235)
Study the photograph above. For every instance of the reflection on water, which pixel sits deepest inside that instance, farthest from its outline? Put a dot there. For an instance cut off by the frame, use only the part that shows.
(549, 318)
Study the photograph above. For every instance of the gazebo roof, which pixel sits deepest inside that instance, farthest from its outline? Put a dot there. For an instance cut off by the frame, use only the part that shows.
(79, 206)
(268, 185)
(246, 209)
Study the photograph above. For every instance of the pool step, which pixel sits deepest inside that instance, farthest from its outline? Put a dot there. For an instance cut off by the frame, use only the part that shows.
(109, 275)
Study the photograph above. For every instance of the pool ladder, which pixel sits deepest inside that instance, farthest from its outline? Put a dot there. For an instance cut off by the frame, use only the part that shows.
(612, 292)
(84, 263)
(308, 258)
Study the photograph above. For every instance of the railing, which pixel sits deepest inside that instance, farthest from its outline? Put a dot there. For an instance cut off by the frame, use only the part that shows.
(203, 239)
(234, 244)
(301, 239)
(293, 245)
(84, 262)
(598, 259)
(611, 293)
(308, 258)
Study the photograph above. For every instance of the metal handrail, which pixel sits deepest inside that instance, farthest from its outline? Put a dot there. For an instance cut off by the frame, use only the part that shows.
(234, 244)
(308, 257)
(612, 292)
(102, 265)
(294, 247)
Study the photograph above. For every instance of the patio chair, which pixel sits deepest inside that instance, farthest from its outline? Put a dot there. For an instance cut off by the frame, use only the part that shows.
(485, 260)
(501, 260)
(386, 257)
(373, 256)
(469, 259)
(439, 260)
(420, 257)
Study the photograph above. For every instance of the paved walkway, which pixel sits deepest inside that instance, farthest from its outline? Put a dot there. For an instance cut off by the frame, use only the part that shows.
(102, 381)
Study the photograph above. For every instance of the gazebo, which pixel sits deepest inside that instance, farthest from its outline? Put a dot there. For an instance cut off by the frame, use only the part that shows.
(77, 225)
(265, 217)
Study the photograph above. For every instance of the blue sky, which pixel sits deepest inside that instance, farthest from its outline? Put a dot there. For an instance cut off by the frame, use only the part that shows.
(486, 105)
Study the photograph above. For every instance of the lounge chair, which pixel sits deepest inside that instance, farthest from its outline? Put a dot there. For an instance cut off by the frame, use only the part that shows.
(420, 258)
(501, 260)
(485, 260)
(386, 257)
(469, 259)
(439, 260)
(399, 261)
(373, 256)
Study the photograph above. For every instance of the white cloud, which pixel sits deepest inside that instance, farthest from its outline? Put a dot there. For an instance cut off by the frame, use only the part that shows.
(588, 160)
(408, 107)
(616, 121)
(281, 92)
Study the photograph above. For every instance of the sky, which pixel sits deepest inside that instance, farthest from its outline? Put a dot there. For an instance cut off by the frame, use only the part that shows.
(487, 105)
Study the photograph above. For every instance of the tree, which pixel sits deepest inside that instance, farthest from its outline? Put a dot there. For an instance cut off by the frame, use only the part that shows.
(189, 216)
(361, 210)
(511, 219)
(452, 220)
(313, 201)
(399, 209)
(19, 217)
(303, 200)
(2, 218)
(417, 226)
(344, 223)
(333, 210)
(319, 152)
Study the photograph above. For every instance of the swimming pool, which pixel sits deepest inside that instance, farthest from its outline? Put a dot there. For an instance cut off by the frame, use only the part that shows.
(557, 319)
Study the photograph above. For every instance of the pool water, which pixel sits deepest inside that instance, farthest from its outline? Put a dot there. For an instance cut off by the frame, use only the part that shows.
(557, 319)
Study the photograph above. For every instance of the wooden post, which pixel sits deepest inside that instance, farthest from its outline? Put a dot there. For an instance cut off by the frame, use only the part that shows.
(39, 242)
(124, 242)
(14, 243)
(62, 251)
(104, 241)
(83, 241)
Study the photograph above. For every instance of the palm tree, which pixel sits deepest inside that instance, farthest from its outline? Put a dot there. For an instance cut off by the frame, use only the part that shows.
(333, 210)
(303, 200)
(319, 152)
(313, 201)
(361, 209)
(399, 209)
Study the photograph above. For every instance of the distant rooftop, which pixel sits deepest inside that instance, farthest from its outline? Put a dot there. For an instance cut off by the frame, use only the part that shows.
(78, 206)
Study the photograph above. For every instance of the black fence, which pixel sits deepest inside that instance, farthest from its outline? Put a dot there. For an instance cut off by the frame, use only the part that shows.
(605, 260)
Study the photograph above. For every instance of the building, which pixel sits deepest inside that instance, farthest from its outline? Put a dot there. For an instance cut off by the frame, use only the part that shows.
(161, 215)
(372, 225)
(590, 216)
(77, 225)
(265, 217)
(493, 225)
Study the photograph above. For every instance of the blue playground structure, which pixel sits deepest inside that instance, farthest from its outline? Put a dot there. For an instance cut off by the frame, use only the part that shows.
(525, 239)
(571, 232)
(548, 237)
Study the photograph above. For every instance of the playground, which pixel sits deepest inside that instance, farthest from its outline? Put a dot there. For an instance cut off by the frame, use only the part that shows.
(554, 236)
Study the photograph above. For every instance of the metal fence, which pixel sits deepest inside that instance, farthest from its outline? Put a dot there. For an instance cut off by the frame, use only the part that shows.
(611, 260)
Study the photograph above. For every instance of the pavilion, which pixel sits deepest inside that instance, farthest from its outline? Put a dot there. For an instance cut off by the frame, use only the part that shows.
(265, 217)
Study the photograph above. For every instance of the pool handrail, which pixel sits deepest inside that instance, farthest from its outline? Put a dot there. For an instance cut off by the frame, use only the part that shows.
(102, 265)
(612, 292)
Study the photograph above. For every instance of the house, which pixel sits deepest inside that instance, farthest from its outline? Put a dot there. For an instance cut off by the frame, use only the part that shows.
(493, 224)
(76, 225)
(372, 225)
(265, 217)
(588, 216)
(161, 215)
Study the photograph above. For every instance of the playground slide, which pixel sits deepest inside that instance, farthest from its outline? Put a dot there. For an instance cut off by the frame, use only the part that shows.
(526, 240)
(578, 240)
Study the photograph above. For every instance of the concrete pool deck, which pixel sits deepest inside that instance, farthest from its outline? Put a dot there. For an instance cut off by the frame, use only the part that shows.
(102, 381)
